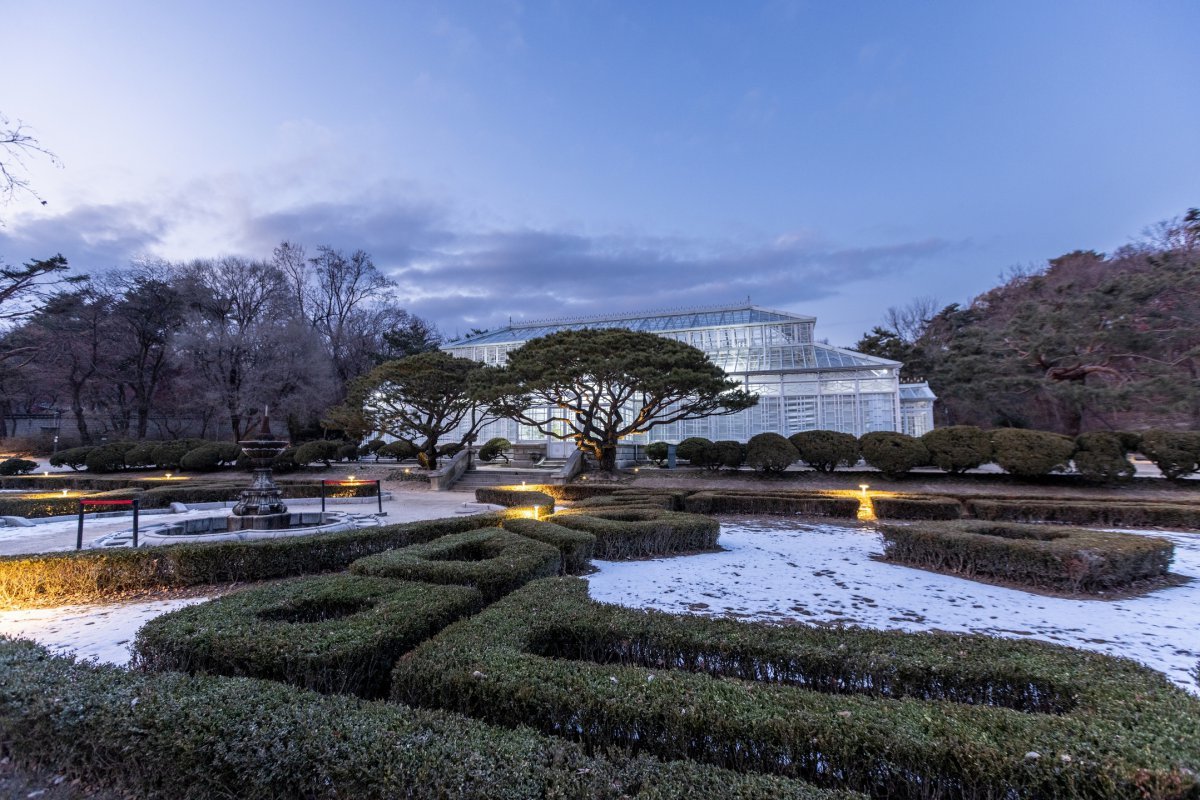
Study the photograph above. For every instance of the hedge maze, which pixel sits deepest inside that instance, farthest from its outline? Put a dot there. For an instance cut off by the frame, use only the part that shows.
(458, 659)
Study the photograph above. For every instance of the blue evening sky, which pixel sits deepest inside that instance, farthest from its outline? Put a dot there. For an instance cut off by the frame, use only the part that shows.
(560, 158)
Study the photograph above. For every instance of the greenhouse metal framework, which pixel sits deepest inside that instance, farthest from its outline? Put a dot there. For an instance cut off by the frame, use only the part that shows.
(802, 384)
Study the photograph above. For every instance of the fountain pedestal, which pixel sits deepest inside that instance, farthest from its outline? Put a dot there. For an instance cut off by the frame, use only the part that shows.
(260, 506)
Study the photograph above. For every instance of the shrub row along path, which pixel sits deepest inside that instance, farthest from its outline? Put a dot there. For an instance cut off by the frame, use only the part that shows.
(781, 571)
(104, 632)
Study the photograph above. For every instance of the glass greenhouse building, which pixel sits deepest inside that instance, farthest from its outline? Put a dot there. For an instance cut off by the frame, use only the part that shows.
(802, 384)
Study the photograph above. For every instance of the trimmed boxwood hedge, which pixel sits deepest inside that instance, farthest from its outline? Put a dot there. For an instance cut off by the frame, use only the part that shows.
(1066, 559)
(492, 560)
(333, 633)
(813, 504)
(55, 578)
(917, 507)
(513, 498)
(170, 736)
(1118, 514)
(53, 505)
(623, 533)
(895, 714)
(575, 547)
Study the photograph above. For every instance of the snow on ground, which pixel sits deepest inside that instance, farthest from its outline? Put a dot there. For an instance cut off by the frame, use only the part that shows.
(102, 632)
(776, 570)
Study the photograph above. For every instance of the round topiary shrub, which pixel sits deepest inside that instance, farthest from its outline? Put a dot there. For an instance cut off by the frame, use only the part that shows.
(728, 454)
(770, 452)
(696, 450)
(371, 448)
(320, 450)
(825, 451)
(168, 455)
(74, 457)
(892, 453)
(140, 456)
(1101, 456)
(285, 461)
(958, 448)
(494, 448)
(1175, 453)
(347, 452)
(17, 466)
(106, 458)
(657, 452)
(1030, 454)
(398, 450)
(201, 459)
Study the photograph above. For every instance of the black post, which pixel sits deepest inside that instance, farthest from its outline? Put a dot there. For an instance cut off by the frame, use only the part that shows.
(322, 495)
(379, 494)
(79, 533)
(135, 523)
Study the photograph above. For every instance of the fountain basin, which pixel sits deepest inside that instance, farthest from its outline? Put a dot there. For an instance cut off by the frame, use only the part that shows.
(227, 529)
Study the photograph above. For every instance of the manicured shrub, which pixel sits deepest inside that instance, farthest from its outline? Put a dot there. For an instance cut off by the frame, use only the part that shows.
(1106, 512)
(372, 448)
(1031, 454)
(322, 450)
(283, 463)
(575, 547)
(917, 508)
(1175, 453)
(202, 459)
(623, 533)
(333, 633)
(494, 448)
(728, 454)
(770, 453)
(75, 458)
(56, 578)
(141, 455)
(657, 452)
(514, 498)
(809, 504)
(399, 450)
(825, 451)
(104, 459)
(168, 455)
(897, 714)
(695, 450)
(665, 499)
(1040, 556)
(893, 454)
(208, 737)
(51, 504)
(958, 448)
(1101, 456)
(17, 466)
(492, 560)
(1130, 440)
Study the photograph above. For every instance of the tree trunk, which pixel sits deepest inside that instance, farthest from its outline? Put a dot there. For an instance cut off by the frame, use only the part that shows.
(608, 458)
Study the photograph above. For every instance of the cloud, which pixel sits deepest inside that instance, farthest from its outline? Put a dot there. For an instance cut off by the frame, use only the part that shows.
(461, 277)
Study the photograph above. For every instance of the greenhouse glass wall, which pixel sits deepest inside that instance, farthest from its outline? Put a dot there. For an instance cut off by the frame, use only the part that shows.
(802, 384)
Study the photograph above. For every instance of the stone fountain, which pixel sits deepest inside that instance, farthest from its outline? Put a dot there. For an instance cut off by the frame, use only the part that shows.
(260, 506)
(259, 513)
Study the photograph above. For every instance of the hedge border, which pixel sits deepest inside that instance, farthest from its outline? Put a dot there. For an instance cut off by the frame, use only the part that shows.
(630, 532)
(813, 504)
(55, 578)
(170, 735)
(513, 498)
(895, 714)
(576, 547)
(1039, 556)
(350, 653)
(492, 560)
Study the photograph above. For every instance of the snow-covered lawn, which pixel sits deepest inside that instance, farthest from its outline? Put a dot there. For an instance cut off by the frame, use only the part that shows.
(102, 632)
(779, 570)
